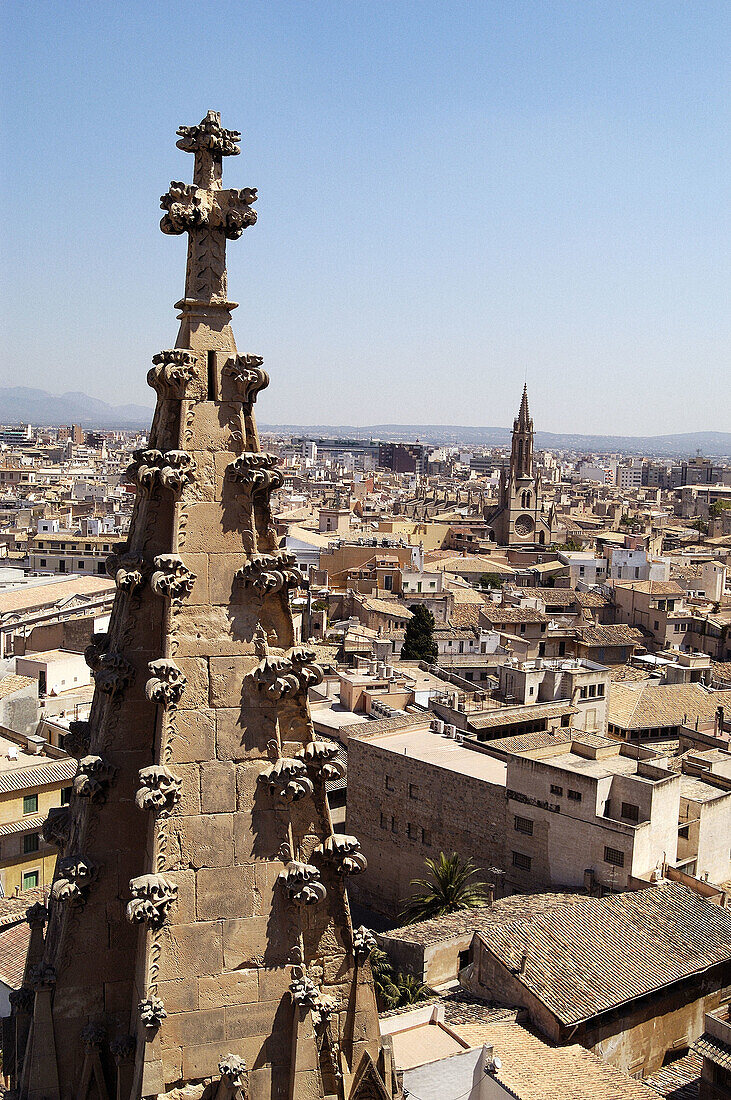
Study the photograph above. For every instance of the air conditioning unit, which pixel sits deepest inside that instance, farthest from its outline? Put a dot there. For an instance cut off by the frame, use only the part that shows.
(459, 738)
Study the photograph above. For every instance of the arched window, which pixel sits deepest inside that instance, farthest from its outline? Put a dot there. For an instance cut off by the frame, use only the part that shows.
(520, 452)
(527, 499)
(541, 538)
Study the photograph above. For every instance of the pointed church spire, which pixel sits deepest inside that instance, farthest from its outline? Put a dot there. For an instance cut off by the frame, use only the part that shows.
(523, 416)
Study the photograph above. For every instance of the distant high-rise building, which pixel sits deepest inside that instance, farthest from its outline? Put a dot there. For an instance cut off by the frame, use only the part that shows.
(402, 458)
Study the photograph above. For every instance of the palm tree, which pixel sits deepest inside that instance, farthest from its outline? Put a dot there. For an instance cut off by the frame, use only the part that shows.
(410, 990)
(388, 993)
(449, 887)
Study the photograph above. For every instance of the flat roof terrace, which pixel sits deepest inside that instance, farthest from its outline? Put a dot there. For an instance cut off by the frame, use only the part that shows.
(441, 752)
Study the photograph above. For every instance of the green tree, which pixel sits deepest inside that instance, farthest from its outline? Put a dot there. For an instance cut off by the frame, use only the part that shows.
(491, 580)
(388, 993)
(410, 990)
(450, 886)
(419, 644)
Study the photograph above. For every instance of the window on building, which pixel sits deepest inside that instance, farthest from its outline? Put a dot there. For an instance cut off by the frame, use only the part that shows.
(30, 880)
(630, 811)
(426, 837)
(592, 691)
(657, 625)
(413, 790)
(42, 563)
(555, 789)
(384, 821)
(30, 843)
(524, 825)
(522, 628)
(412, 831)
(523, 863)
(574, 796)
(614, 856)
(582, 693)
(390, 786)
(684, 832)
(66, 795)
(600, 691)
(30, 804)
(463, 959)
(394, 825)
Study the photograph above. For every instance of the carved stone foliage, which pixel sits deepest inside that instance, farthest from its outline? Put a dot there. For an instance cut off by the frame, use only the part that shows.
(36, 915)
(42, 976)
(22, 1000)
(209, 136)
(189, 207)
(287, 780)
(76, 741)
(343, 853)
(281, 677)
(270, 573)
(306, 994)
(234, 1073)
(172, 579)
(152, 1012)
(159, 789)
(248, 376)
(256, 470)
(93, 778)
(171, 469)
(152, 897)
(57, 827)
(321, 759)
(123, 1048)
(302, 883)
(112, 673)
(166, 684)
(126, 570)
(363, 942)
(93, 1035)
(74, 876)
(171, 372)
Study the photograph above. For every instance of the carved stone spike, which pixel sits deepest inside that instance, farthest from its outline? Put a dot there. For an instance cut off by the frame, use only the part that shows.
(364, 942)
(343, 853)
(97, 647)
(271, 573)
(56, 829)
(93, 778)
(172, 579)
(320, 758)
(152, 1012)
(302, 883)
(159, 789)
(74, 876)
(76, 742)
(152, 897)
(123, 1047)
(247, 376)
(171, 372)
(145, 467)
(126, 570)
(287, 780)
(167, 682)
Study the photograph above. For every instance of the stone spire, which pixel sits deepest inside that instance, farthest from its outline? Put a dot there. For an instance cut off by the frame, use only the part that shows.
(521, 456)
(199, 935)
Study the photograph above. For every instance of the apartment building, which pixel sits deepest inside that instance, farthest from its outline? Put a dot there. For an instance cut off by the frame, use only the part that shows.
(31, 784)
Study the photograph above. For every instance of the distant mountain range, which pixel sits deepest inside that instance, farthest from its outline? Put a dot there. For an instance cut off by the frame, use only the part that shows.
(20, 405)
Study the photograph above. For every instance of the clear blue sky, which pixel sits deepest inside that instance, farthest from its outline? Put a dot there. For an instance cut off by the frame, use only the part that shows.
(452, 195)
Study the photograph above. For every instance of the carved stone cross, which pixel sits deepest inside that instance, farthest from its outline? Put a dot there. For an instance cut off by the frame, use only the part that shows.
(207, 213)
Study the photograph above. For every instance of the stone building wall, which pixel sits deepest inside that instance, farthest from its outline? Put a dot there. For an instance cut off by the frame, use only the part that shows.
(423, 811)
